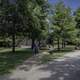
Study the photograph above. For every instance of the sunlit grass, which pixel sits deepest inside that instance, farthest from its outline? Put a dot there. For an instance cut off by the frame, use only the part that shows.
(54, 54)
(9, 60)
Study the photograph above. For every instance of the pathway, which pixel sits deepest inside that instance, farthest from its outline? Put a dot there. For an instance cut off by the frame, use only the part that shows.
(66, 68)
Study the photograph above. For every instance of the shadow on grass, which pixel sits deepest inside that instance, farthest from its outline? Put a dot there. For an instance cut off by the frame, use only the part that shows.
(54, 54)
(1, 48)
(9, 60)
(64, 50)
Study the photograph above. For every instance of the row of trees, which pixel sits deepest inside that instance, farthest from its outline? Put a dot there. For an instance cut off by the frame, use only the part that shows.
(23, 17)
(63, 24)
(29, 18)
(66, 25)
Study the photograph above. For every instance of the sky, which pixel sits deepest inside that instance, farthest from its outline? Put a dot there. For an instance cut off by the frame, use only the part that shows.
(74, 4)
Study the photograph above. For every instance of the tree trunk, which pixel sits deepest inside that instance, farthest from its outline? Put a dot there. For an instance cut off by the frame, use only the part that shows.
(13, 43)
(33, 43)
(58, 44)
(39, 44)
(53, 44)
(13, 37)
(62, 43)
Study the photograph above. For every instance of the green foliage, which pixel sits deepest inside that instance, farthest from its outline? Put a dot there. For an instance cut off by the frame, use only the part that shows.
(63, 22)
(77, 19)
(24, 17)
(34, 16)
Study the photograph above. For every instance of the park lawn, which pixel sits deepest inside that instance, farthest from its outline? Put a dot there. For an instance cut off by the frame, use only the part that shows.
(9, 60)
(56, 54)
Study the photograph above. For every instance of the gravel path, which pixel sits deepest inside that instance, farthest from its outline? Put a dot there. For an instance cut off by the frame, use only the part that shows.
(66, 68)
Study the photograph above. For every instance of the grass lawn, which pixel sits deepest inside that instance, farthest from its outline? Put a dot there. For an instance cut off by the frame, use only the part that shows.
(9, 60)
(56, 54)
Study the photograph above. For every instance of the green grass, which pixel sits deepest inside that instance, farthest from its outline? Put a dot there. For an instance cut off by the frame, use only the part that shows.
(46, 58)
(9, 60)
(56, 54)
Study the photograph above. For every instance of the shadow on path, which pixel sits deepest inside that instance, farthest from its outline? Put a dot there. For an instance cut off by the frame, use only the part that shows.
(67, 68)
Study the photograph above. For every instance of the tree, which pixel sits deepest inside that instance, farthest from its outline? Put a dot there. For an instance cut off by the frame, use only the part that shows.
(10, 21)
(77, 19)
(34, 17)
(63, 23)
(24, 16)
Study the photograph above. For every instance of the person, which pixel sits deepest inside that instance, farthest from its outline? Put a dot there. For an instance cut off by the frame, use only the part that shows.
(35, 48)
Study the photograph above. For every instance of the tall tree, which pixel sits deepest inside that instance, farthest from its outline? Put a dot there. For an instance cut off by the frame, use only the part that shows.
(10, 21)
(63, 23)
(34, 17)
(77, 19)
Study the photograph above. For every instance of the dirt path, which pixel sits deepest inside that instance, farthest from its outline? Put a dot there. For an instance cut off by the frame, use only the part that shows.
(66, 68)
